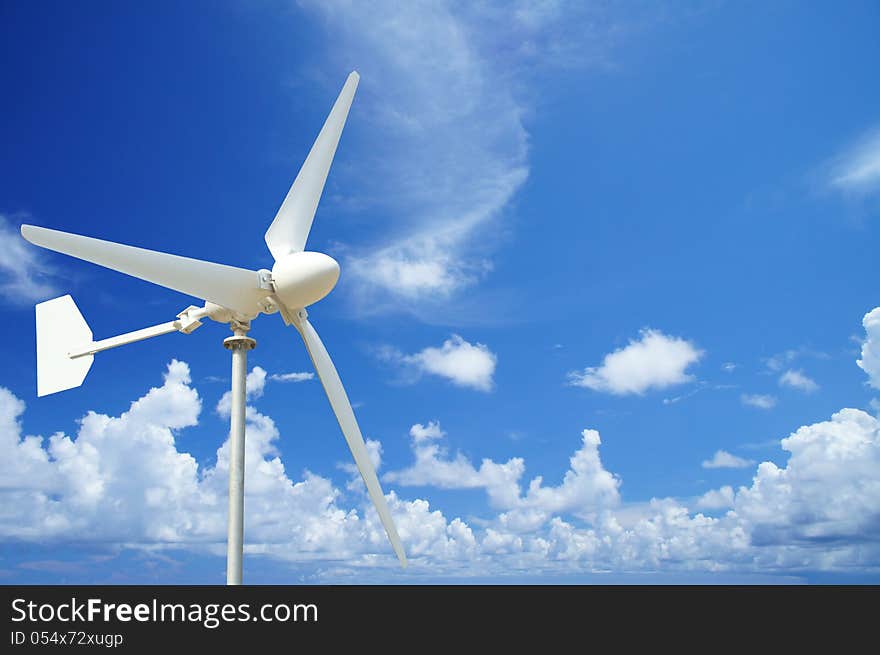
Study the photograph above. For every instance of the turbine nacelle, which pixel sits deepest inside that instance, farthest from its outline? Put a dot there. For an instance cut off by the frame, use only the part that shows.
(303, 278)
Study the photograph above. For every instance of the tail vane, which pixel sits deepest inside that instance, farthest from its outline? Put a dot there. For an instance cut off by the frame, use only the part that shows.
(60, 329)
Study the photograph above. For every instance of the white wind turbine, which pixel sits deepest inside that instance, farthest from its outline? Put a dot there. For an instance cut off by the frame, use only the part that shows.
(236, 296)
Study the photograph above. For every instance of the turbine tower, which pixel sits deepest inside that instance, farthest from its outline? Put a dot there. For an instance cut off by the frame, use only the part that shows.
(299, 278)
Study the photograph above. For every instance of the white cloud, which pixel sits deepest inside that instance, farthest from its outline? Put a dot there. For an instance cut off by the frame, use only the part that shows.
(25, 277)
(870, 360)
(786, 358)
(725, 460)
(26, 464)
(416, 268)
(797, 379)
(459, 361)
(829, 489)
(291, 377)
(374, 452)
(123, 480)
(857, 170)
(585, 487)
(445, 151)
(444, 97)
(421, 433)
(761, 401)
(717, 498)
(780, 360)
(677, 399)
(728, 367)
(434, 467)
(654, 361)
(255, 383)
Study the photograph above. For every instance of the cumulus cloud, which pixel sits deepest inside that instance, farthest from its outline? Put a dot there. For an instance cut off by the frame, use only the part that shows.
(421, 433)
(121, 479)
(254, 385)
(586, 486)
(761, 401)
(870, 360)
(653, 361)
(25, 276)
(125, 480)
(717, 498)
(374, 452)
(857, 169)
(828, 491)
(26, 464)
(433, 466)
(459, 361)
(725, 460)
(797, 379)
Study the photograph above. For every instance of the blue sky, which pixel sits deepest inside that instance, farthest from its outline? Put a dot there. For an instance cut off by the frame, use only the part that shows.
(623, 250)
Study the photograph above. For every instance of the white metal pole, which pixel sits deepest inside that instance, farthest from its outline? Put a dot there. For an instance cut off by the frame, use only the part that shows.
(239, 345)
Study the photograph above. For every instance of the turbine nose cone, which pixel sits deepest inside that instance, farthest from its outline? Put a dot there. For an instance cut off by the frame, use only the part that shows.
(303, 278)
(324, 271)
(331, 269)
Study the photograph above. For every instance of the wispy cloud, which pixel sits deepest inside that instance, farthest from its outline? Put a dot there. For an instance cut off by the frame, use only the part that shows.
(784, 360)
(857, 169)
(677, 399)
(445, 90)
(449, 148)
(725, 460)
(797, 379)
(292, 377)
(760, 445)
(25, 276)
(761, 401)
(780, 360)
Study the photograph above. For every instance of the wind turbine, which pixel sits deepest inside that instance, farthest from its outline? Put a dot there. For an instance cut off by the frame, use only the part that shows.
(299, 278)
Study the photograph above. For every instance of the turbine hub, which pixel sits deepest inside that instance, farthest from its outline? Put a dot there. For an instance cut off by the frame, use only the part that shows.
(303, 278)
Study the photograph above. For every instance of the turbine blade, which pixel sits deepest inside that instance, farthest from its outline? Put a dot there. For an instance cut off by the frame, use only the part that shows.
(290, 229)
(345, 415)
(234, 288)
